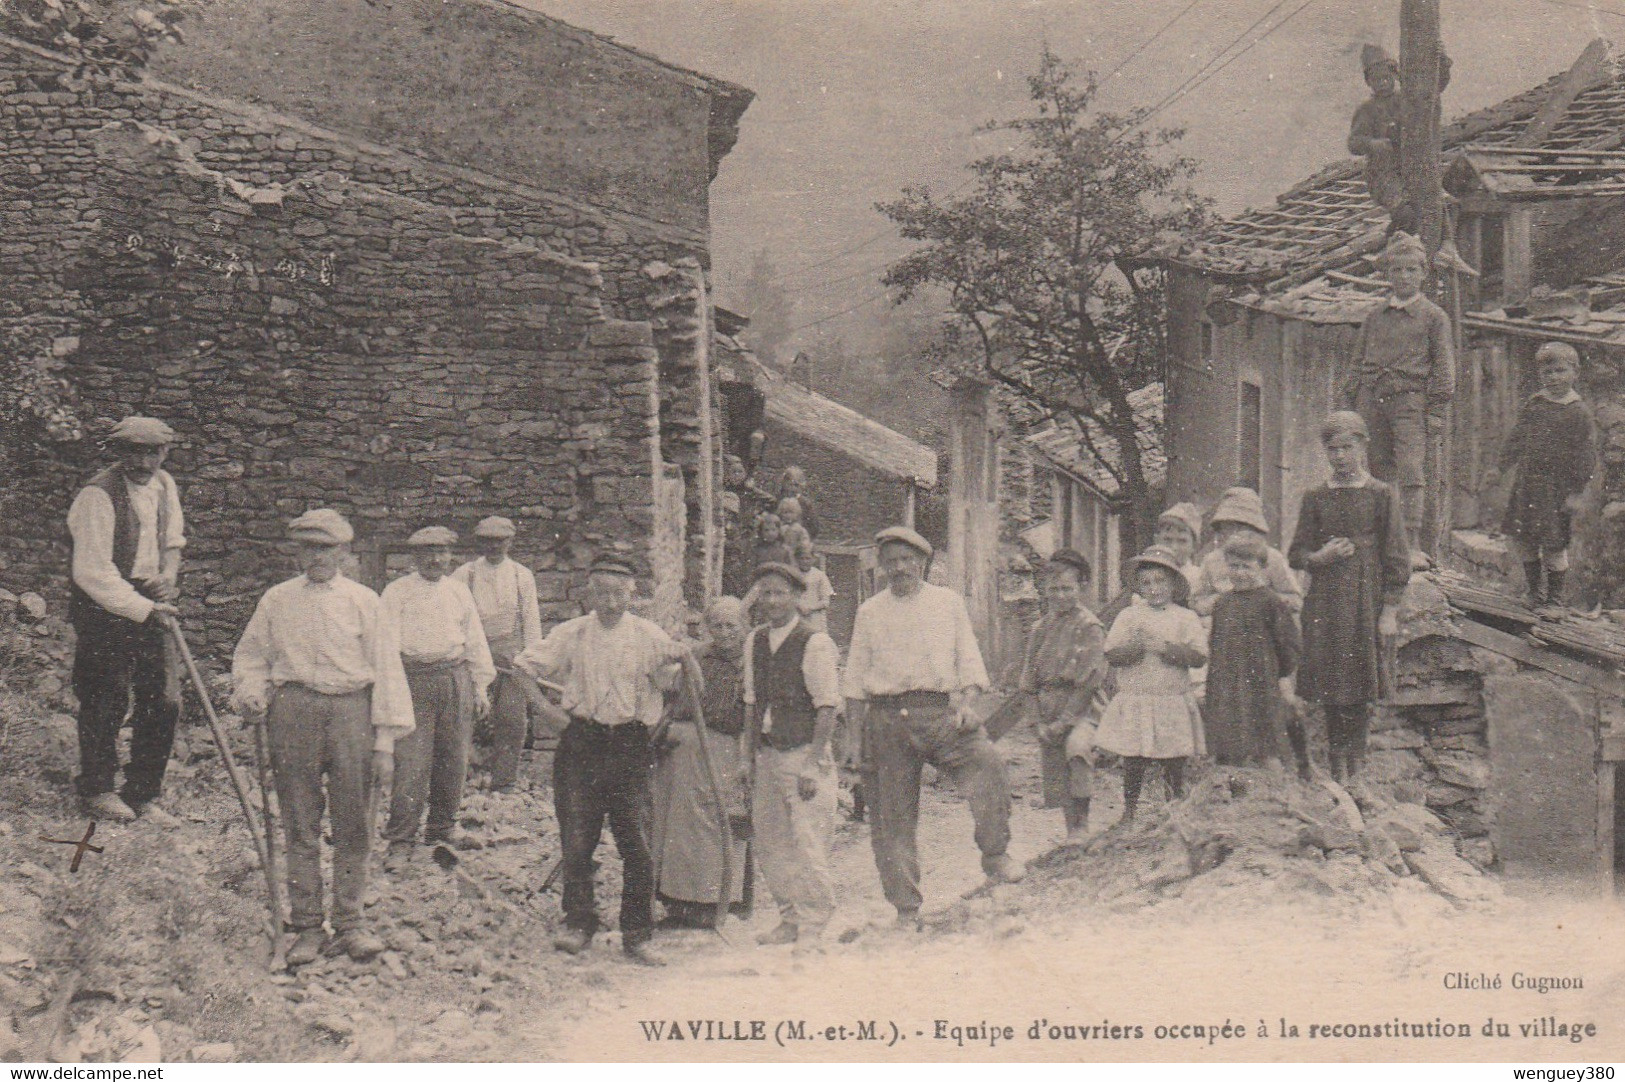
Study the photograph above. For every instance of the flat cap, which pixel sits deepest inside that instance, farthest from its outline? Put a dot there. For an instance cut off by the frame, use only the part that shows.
(495, 526)
(612, 565)
(1074, 559)
(432, 535)
(907, 537)
(143, 432)
(323, 526)
(789, 574)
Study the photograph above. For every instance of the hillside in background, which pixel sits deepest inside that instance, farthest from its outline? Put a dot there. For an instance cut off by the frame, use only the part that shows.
(859, 98)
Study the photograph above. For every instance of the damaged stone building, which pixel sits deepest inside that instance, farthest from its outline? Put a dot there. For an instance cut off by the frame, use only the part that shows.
(1509, 726)
(1264, 307)
(415, 292)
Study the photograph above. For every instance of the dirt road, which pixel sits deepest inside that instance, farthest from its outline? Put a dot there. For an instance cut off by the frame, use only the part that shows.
(164, 935)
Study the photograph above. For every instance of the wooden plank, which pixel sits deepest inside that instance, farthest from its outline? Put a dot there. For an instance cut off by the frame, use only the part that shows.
(1356, 280)
(1592, 676)
(1591, 69)
(1561, 191)
(1554, 169)
(1511, 150)
(1517, 260)
(1607, 778)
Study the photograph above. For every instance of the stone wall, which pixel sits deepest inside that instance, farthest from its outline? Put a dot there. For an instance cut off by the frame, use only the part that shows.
(1506, 755)
(491, 86)
(318, 336)
(690, 429)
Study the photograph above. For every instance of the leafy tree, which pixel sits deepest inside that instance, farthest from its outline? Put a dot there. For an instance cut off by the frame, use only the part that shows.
(1040, 263)
(111, 39)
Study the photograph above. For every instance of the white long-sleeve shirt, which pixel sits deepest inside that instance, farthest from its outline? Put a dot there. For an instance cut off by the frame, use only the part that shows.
(437, 621)
(333, 637)
(923, 642)
(611, 675)
(505, 595)
(91, 521)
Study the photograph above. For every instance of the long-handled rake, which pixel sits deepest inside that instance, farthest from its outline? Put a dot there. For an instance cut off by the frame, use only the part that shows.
(261, 848)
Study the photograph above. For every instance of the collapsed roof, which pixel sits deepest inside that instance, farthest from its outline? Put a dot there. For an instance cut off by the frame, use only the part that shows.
(1554, 138)
(1096, 461)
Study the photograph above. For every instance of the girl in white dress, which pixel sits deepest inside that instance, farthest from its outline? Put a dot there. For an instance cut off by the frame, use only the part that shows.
(1153, 647)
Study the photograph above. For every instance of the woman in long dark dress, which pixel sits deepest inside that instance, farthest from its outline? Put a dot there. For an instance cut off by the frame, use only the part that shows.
(1351, 539)
(688, 826)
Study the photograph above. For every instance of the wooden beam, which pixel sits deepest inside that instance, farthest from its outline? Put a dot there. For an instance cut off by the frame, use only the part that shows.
(1591, 69)
(1517, 258)
(1591, 676)
(1421, 53)
(1607, 778)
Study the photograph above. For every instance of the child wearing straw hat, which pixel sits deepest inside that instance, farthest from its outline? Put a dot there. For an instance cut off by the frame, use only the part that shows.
(1153, 647)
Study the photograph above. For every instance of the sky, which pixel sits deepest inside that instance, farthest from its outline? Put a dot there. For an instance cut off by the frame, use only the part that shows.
(858, 98)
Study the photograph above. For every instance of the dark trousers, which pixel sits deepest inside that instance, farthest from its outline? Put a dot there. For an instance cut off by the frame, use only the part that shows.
(118, 660)
(900, 735)
(510, 717)
(313, 736)
(599, 772)
(1399, 446)
(1347, 730)
(431, 762)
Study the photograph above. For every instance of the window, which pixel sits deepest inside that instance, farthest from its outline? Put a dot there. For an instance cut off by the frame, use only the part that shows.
(1207, 342)
(1249, 437)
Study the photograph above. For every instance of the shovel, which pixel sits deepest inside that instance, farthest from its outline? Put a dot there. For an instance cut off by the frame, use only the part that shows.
(448, 861)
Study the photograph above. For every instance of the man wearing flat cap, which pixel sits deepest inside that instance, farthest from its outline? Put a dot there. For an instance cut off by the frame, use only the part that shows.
(792, 689)
(320, 666)
(505, 594)
(911, 667)
(613, 665)
(448, 667)
(128, 533)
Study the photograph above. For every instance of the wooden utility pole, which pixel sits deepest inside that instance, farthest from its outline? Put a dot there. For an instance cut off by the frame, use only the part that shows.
(1421, 52)
(1421, 62)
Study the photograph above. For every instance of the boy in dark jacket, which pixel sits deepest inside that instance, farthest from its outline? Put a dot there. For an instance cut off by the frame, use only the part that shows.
(1553, 450)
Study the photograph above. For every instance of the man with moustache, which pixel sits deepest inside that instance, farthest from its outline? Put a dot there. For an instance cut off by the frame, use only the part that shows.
(128, 533)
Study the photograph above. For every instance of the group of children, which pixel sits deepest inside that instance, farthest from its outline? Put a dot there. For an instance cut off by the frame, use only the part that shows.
(1220, 656)
(1201, 658)
(784, 535)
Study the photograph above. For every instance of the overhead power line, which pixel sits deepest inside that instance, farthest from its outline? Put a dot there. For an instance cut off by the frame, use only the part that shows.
(1148, 42)
(1190, 81)
(1204, 80)
(1574, 4)
(866, 302)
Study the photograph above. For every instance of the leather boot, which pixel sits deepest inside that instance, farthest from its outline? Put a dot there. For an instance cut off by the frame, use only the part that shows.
(1554, 586)
(572, 941)
(1537, 587)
